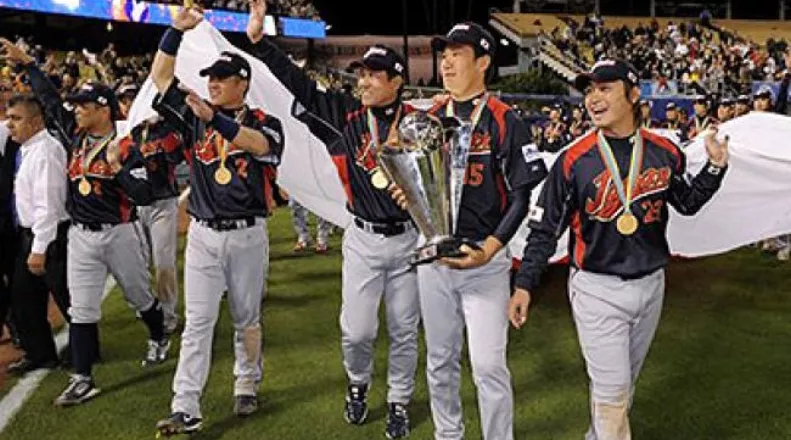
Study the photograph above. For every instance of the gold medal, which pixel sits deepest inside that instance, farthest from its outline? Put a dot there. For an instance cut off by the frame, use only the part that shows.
(379, 180)
(85, 187)
(627, 224)
(222, 176)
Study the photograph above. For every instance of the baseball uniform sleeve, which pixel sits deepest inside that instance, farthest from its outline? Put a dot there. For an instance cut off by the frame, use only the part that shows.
(172, 106)
(523, 169)
(330, 106)
(133, 176)
(689, 197)
(547, 221)
(60, 121)
(272, 129)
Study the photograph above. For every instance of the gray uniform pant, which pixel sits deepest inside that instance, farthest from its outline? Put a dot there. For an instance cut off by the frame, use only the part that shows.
(376, 267)
(89, 257)
(299, 218)
(616, 320)
(160, 221)
(478, 299)
(236, 261)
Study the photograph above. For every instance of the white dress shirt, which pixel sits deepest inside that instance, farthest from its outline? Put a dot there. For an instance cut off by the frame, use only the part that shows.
(4, 134)
(41, 188)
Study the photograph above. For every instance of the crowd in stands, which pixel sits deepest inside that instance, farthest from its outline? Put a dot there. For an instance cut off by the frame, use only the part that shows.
(291, 8)
(699, 56)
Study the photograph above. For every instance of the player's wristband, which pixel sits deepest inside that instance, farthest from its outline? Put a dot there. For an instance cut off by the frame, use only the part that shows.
(171, 41)
(227, 127)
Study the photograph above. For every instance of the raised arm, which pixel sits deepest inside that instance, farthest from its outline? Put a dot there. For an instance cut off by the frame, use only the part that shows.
(58, 118)
(326, 104)
(689, 198)
(163, 70)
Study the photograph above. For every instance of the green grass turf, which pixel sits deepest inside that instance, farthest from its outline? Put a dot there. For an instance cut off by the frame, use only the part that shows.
(718, 368)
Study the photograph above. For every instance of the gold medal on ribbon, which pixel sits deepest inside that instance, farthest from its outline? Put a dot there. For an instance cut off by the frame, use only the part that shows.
(222, 175)
(627, 224)
(85, 187)
(379, 180)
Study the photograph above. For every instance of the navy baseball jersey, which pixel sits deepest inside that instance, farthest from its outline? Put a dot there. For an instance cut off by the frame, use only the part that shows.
(502, 160)
(579, 193)
(96, 194)
(160, 145)
(341, 121)
(245, 195)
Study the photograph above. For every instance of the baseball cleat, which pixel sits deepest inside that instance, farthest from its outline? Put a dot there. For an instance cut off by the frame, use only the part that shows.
(178, 423)
(157, 352)
(356, 410)
(245, 405)
(397, 421)
(80, 389)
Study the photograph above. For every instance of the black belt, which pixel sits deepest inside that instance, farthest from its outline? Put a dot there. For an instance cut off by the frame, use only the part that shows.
(227, 224)
(386, 229)
(95, 227)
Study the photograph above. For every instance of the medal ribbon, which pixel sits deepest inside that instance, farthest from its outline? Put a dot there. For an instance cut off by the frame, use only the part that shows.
(635, 164)
(97, 148)
(373, 129)
(476, 114)
(222, 149)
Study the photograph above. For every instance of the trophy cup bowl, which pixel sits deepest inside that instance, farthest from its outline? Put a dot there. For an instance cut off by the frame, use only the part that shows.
(427, 166)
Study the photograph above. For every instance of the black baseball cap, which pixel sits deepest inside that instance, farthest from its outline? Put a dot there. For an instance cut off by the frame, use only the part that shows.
(743, 99)
(764, 92)
(229, 64)
(608, 70)
(726, 102)
(670, 106)
(700, 99)
(127, 90)
(468, 34)
(97, 93)
(645, 102)
(381, 58)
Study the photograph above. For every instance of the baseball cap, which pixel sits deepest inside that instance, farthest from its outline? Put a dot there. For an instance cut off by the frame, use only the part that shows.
(97, 93)
(764, 92)
(700, 99)
(726, 102)
(605, 71)
(378, 58)
(670, 106)
(645, 102)
(468, 34)
(130, 90)
(743, 99)
(229, 64)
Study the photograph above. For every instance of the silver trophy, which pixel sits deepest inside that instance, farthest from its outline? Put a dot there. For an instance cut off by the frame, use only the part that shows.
(429, 165)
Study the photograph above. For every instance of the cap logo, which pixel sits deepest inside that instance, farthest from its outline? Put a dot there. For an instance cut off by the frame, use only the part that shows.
(101, 100)
(603, 63)
(459, 28)
(398, 68)
(632, 77)
(375, 51)
(485, 44)
(226, 58)
(243, 73)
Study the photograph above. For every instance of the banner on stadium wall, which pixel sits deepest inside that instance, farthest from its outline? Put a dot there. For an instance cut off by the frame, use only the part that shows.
(137, 11)
(753, 203)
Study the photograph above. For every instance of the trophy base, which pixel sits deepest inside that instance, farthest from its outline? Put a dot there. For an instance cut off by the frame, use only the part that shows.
(445, 248)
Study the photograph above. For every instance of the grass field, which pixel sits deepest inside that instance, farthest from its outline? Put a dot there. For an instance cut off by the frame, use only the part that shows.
(719, 367)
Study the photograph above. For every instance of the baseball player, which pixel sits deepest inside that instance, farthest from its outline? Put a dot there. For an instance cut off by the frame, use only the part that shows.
(472, 291)
(742, 106)
(701, 120)
(230, 148)
(376, 250)
(618, 246)
(726, 110)
(299, 218)
(161, 149)
(106, 180)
